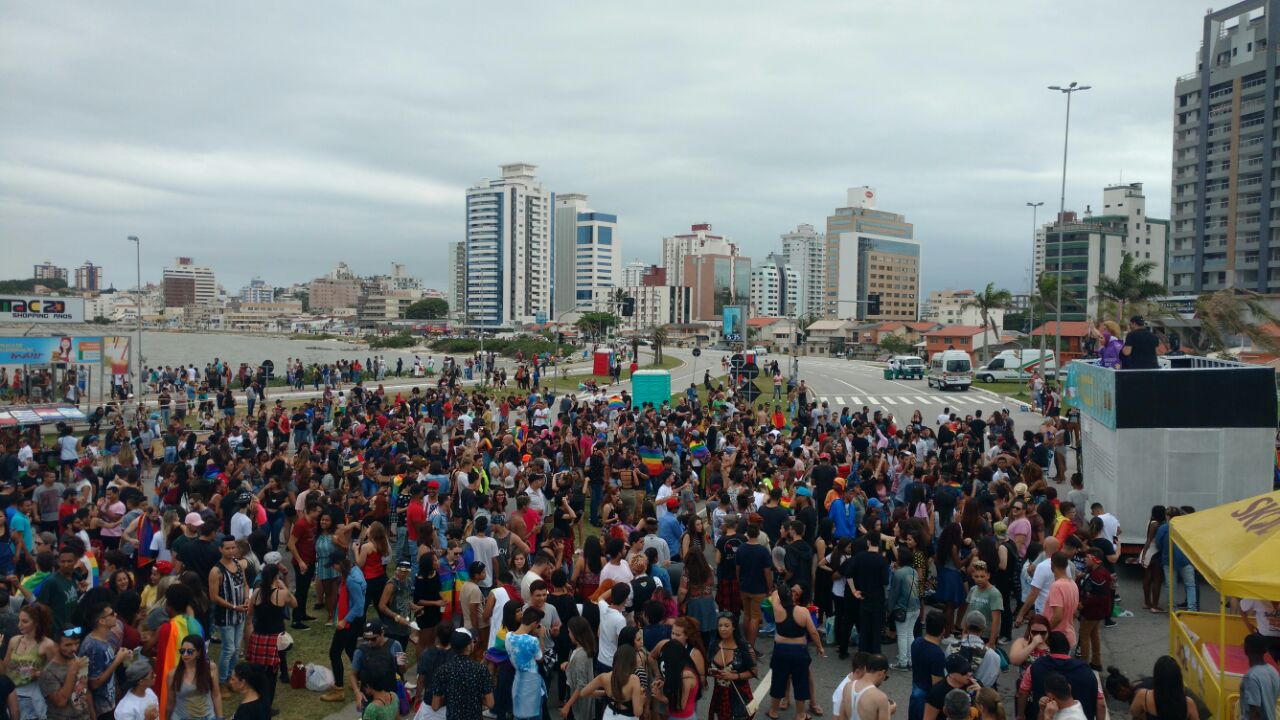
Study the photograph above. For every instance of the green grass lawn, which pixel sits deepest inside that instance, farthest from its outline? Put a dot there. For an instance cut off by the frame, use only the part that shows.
(569, 383)
(309, 646)
(1016, 390)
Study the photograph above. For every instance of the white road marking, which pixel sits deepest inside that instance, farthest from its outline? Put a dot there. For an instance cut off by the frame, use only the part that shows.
(923, 400)
(855, 401)
(890, 400)
(839, 401)
(871, 401)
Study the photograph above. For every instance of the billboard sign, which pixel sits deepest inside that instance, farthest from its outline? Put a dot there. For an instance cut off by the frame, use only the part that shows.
(41, 309)
(111, 351)
(1092, 389)
(734, 323)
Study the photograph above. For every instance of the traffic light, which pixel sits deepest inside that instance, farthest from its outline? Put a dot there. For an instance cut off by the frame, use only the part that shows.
(628, 307)
(873, 304)
(559, 338)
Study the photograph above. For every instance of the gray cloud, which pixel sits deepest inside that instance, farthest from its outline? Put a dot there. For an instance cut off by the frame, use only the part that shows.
(279, 139)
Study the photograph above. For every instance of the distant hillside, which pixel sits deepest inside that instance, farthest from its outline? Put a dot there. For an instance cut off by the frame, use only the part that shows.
(26, 286)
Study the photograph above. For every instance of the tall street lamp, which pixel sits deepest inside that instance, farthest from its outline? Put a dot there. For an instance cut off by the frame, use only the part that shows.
(137, 299)
(1035, 207)
(1069, 90)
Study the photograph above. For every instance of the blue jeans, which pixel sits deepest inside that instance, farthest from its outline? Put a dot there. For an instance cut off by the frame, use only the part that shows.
(597, 498)
(1187, 574)
(231, 636)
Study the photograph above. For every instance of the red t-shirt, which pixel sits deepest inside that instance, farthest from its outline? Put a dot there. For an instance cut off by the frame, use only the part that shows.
(415, 515)
(304, 535)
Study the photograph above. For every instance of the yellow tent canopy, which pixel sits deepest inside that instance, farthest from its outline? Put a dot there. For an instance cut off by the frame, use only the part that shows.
(1235, 546)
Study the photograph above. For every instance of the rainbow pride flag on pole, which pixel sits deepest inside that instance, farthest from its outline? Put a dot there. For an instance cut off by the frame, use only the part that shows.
(615, 402)
(520, 435)
(168, 639)
(652, 459)
(699, 450)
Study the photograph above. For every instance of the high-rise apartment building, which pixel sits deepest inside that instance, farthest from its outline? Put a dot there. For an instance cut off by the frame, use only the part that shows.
(715, 280)
(48, 271)
(1226, 177)
(871, 251)
(774, 287)
(509, 249)
(698, 241)
(89, 277)
(257, 291)
(588, 258)
(187, 284)
(633, 272)
(1095, 245)
(806, 252)
(457, 292)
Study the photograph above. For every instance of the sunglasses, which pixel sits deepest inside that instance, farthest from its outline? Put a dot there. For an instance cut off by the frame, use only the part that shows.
(186, 651)
(72, 632)
(1039, 632)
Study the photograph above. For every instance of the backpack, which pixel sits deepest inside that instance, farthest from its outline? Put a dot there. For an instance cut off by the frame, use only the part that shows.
(973, 654)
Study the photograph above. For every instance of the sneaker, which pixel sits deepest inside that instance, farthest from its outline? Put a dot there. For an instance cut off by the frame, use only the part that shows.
(900, 666)
(1002, 641)
(306, 618)
(1110, 623)
(335, 695)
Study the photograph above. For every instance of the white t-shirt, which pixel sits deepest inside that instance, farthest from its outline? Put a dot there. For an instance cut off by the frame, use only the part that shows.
(1265, 615)
(611, 623)
(134, 707)
(241, 526)
(838, 696)
(484, 549)
(1043, 578)
(943, 418)
(1075, 712)
(1110, 526)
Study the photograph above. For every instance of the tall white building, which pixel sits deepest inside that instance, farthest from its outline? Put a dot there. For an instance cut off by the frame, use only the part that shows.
(457, 293)
(509, 249)
(257, 291)
(698, 241)
(951, 307)
(774, 287)
(633, 272)
(588, 259)
(806, 252)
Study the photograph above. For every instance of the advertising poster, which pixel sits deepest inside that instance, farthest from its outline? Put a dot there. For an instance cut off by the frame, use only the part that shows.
(66, 350)
(41, 309)
(732, 318)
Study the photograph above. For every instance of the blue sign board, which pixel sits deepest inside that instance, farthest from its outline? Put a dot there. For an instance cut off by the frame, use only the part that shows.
(1092, 389)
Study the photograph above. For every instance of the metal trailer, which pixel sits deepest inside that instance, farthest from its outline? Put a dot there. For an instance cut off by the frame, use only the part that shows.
(1198, 432)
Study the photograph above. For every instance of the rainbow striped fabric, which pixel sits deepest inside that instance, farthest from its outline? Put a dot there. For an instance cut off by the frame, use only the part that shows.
(168, 639)
(615, 402)
(520, 435)
(698, 449)
(651, 458)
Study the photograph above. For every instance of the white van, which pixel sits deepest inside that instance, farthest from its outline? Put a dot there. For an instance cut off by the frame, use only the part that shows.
(950, 369)
(1017, 365)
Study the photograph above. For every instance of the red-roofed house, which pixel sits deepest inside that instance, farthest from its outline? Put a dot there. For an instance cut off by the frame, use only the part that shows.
(957, 337)
(1073, 334)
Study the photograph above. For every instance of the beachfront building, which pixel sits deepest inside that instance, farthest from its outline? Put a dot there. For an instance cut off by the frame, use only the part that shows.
(588, 258)
(89, 278)
(871, 252)
(806, 252)
(456, 295)
(774, 287)
(187, 284)
(509, 249)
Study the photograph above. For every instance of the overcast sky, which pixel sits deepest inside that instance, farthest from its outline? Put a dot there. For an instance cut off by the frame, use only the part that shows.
(277, 139)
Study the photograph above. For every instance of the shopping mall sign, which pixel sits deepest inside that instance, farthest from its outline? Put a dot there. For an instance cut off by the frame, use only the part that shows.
(40, 309)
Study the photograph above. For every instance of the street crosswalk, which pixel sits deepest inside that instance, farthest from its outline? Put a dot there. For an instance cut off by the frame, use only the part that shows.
(954, 400)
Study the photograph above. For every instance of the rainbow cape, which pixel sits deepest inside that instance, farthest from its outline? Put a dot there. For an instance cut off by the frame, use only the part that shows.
(615, 402)
(699, 450)
(651, 458)
(168, 639)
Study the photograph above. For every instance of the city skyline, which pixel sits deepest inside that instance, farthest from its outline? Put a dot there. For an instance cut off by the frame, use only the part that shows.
(268, 169)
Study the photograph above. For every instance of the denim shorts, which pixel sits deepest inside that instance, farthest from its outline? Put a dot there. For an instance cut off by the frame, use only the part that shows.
(790, 662)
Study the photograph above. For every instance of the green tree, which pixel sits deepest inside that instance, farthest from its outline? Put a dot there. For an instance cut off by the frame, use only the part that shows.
(596, 324)
(1044, 302)
(988, 301)
(895, 344)
(1132, 284)
(658, 336)
(1234, 313)
(428, 309)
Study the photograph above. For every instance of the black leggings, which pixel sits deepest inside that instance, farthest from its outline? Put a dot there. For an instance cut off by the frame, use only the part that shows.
(344, 640)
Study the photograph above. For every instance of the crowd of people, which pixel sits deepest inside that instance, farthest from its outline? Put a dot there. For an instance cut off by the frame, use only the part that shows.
(475, 553)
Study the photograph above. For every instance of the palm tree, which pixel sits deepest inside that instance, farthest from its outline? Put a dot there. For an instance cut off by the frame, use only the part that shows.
(1132, 284)
(658, 336)
(1233, 312)
(1045, 301)
(987, 301)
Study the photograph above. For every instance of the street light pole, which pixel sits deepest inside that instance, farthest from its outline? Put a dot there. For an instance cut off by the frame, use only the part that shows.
(1035, 207)
(137, 303)
(1069, 90)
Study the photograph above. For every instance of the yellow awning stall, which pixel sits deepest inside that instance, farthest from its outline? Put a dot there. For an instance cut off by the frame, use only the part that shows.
(1236, 547)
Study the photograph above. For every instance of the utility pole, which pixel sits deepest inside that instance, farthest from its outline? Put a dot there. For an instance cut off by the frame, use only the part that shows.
(137, 245)
(1069, 90)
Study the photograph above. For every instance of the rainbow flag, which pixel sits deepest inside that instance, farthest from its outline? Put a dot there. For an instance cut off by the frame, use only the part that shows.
(520, 435)
(699, 450)
(651, 458)
(615, 402)
(168, 639)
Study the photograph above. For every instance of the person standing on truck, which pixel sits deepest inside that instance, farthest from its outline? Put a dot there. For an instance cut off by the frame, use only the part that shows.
(1139, 352)
(1112, 345)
